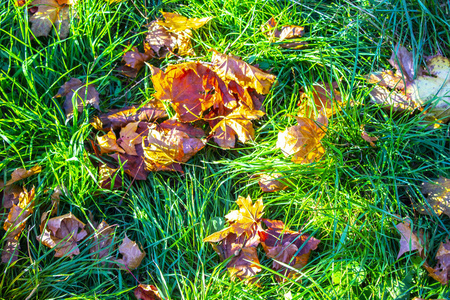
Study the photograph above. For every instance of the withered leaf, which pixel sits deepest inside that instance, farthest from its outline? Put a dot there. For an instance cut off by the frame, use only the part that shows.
(176, 22)
(230, 68)
(438, 196)
(49, 14)
(108, 143)
(15, 223)
(441, 272)
(117, 118)
(286, 246)
(164, 147)
(10, 194)
(56, 198)
(19, 174)
(409, 240)
(107, 175)
(146, 292)
(270, 183)
(77, 92)
(370, 139)
(135, 60)
(325, 98)
(303, 141)
(62, 234)
(132, 255)
(102, 240)
(287, 32)
(129, 138)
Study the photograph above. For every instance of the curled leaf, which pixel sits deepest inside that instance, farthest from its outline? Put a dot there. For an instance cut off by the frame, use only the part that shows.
(287, 32)
(19, 174)
(370, 139)
(147, 292)
(108, 143)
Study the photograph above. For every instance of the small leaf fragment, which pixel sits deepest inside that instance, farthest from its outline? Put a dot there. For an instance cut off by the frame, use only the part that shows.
(270, 183)
(438, 196)
(132, 255)
(370, 139)
(441, 272)
(108, 143)
(409, 240)
(146, 292)
(19, 174)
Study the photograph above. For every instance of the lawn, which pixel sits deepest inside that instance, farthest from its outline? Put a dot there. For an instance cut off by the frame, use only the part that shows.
(351, 199)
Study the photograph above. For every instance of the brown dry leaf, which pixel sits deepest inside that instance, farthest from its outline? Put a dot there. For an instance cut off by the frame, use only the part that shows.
(409, 240)
(102, 240)
(230, 68)
(62, 234)
(129, 138)
(164, 147)
(237, 123)
(287, 32)
(132, 255)
(106, 175)
(15, 223)
(117, 118)
(303, 141)
(438, 196)
(19, 174)
(77, 92)
(286, 246)
(173, 33)
(146, 292)
(270, 183)
(367, 138)
(325, 98)
(49, 14)
(191, 88)
(11, 194)
(135, 60)
(56, 198)
(108, 143)
(441, 272)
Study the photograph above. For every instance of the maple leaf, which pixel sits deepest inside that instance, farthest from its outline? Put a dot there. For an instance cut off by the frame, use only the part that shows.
(370, 139)
(287, 247)
(132, 255)
(62, 234)
(270, 183)
(102, 240)
(50, 13)
(287, 32)
(167, 145)
(438, 196)
(230, 68)
(173, 33)
(441, 272)
(135, 60)
(77, 92)
(409, 240)
(191, 88)
(146, 292)
(108, 143)
(410, 88)
(20, 209)
(237, 123)
(107, 175)
(129, 138)
(117, 118)
(19, 174)
(325, 98)
(303, 141)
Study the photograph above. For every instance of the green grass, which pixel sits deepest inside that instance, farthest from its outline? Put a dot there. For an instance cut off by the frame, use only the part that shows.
(350, 200)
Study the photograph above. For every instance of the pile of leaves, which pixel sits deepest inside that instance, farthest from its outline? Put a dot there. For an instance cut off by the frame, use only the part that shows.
(239, 241)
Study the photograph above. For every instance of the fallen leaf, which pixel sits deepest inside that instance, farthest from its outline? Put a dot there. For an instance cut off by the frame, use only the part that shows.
(237, 123)
(49, 14)
(107, 175)
(11, 194)
(56, 198)
(409, 240)
(19, 174)
(367, 138)
(108, 143)
(117, 118)
(135, 60)
(62, 234)
(229, 68)
(303, 141)
(102, 240)
(132, 255)
(146, 292)
(15, 224)
(438, 196)
(162, 148)
(441, 272)
(176, 22)
(77, 92)
(325, 98)
(287, 247)
(287, 32)
(129, 138)
(270, 183)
